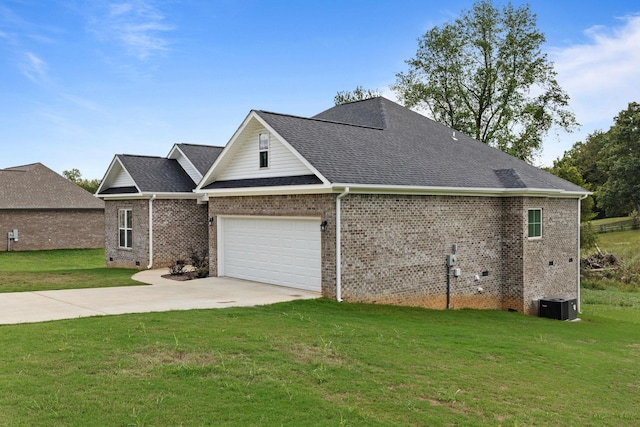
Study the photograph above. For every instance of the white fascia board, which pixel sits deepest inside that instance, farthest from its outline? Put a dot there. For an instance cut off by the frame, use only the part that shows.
(180, 153)
(269, 191)
(397, 189)
(104, 177)
(293, 150)
(115, 161)
(225, 152)
(148, 195)
(457, 191)
(173, 150)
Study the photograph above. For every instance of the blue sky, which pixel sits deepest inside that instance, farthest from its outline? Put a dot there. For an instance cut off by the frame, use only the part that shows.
(82, 80)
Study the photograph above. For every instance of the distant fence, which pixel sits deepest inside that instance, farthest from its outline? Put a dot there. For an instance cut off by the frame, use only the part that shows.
(632, 224)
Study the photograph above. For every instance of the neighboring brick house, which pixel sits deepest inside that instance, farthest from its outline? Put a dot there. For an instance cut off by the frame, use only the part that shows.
(371, 202)
(137, 188)
(48, 210)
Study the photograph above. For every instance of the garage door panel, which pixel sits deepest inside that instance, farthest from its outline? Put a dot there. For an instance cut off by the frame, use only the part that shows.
(272, 250)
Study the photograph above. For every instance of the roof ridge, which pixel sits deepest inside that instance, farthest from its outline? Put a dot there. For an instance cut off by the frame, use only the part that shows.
(143, 155)
(199, 145)
(384, 111)
(320, 120)
(20, 167)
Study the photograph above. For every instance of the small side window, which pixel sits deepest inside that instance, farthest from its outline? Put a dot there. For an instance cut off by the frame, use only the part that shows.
(535, 223)
(125, 228)
(263, 150)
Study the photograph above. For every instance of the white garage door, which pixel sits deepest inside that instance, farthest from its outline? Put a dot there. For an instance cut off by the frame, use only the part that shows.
(280, 251)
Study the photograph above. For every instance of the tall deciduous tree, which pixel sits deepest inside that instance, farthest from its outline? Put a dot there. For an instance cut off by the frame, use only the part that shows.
(621, 160)
(485, 74)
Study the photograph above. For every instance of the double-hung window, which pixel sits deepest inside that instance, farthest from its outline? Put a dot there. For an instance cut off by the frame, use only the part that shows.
(125, 228)
(263, 150)
(535, 223)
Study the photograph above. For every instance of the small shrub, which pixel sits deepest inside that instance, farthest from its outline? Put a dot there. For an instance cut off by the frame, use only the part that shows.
(200, 262)
(177, 267)
(199, 259)
(202, 272)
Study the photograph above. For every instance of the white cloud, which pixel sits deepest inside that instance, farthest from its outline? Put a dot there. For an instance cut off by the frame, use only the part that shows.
(137, 25)
(601, 77)
(34, 68)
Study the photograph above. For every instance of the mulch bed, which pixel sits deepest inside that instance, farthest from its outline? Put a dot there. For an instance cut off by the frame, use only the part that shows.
(180, 277)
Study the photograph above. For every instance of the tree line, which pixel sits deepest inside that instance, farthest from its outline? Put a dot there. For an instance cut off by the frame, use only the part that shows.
(607, 163)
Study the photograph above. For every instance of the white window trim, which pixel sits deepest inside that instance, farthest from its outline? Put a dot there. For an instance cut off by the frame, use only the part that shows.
(264, 150)
(541, 224)
(127, 212)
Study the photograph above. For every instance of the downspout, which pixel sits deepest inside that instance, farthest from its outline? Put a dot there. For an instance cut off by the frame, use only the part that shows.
(339, 247)
(578, 266)
(151, 232)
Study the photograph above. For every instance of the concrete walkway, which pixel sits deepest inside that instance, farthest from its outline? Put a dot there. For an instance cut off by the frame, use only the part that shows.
(161, 295)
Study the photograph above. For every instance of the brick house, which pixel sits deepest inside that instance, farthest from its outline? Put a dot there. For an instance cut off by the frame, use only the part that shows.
(371, 202)
(48, 210)
(152, 215)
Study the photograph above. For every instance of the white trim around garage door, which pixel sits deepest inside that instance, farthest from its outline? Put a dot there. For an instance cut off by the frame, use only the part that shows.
(279, 250)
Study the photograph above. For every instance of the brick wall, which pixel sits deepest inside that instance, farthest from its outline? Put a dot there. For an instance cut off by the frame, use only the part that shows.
(514, 229)
(53, 229)
(394, 250)
(138, 255)
(179, 226)
(312, 205)
(551, 263)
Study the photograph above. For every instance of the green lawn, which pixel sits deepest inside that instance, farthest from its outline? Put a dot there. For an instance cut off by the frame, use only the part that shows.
(59, 269)
(324, 363)
(319, 362)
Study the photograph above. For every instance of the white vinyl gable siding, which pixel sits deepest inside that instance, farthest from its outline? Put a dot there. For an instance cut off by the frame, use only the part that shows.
(245, 161)
(189, 168)
(122, 179)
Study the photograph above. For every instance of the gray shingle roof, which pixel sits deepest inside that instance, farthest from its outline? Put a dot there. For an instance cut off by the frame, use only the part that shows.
(35, 186)
(153, 174)
(379, 142)
(156, 174)
(202, 156)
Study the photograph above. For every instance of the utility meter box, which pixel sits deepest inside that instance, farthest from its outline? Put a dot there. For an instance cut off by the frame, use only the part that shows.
(15, 234)
(558, 308)
(452, 260)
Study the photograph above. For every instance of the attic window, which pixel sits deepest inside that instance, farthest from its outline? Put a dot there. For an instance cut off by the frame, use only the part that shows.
(263, 150)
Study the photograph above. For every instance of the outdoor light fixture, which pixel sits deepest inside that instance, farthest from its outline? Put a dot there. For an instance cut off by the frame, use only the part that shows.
(323, 225)
(210, 221)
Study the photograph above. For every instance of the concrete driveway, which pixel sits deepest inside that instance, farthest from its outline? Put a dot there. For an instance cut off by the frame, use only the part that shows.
(161, 295)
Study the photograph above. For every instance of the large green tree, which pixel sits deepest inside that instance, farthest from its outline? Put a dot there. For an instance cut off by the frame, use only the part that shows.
(621, 161)
(485, 75)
